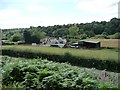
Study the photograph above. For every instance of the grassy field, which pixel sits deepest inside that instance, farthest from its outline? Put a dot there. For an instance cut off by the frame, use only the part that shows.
(108, 42)
(102, 54)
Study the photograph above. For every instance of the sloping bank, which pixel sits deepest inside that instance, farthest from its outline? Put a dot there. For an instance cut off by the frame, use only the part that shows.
(109, 65)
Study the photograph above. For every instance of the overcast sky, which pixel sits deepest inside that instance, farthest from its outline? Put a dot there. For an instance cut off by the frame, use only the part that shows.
(26, 13)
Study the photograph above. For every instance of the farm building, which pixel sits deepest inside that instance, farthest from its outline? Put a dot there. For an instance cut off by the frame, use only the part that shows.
(57, 43)
(87, 44)
(54, 42)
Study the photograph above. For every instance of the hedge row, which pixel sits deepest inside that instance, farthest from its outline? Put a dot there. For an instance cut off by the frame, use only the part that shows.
(108, 65)
(9, 43)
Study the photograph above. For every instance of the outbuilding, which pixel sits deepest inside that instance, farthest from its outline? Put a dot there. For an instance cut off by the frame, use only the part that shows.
(88, 44)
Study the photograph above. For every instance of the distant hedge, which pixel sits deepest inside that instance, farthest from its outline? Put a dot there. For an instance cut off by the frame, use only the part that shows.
(9, 43)
(108, 65)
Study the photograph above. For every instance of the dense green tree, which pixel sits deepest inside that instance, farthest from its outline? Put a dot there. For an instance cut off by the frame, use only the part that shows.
(37, 36)
(90, 34)
(68, 31)
(83, 36)
(60, 32)
(33, 36)
(73, 31)
(81, 31)
(27, 37)
(98, 28)
(16, 38)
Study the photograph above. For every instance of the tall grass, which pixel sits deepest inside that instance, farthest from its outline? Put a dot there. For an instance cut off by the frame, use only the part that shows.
(102, 54)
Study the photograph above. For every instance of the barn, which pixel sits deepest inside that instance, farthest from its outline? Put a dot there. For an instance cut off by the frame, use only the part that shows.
(89, 44)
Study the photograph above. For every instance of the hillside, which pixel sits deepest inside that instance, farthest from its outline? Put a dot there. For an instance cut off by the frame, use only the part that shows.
(72, 32)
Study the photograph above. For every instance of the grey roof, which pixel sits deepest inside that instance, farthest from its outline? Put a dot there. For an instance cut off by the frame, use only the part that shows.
(89, 41)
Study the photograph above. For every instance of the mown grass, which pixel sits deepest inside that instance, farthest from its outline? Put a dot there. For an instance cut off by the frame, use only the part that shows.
(101, 54)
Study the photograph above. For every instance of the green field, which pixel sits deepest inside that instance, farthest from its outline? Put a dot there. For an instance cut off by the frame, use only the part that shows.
(113, 43)
(102, 54)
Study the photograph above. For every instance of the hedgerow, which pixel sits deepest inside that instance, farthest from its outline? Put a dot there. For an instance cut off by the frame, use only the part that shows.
(107, 64)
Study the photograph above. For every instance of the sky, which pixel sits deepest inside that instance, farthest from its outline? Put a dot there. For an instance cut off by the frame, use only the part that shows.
(26, 13)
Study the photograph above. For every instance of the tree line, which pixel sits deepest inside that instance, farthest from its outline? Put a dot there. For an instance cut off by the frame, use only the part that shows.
(71, 32)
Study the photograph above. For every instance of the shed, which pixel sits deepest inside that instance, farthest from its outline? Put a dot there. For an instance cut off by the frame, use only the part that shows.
(89, 44)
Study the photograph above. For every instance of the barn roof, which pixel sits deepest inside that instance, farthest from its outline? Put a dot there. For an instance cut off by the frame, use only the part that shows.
(89, 41)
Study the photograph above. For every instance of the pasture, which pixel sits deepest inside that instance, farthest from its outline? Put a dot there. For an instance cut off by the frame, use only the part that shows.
(101, 54)
(113, 43)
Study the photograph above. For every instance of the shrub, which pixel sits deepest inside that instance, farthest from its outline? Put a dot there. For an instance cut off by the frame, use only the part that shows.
(9, 43)
(44, 73)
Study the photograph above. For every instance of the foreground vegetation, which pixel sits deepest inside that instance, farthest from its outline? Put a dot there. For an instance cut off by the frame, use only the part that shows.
(100, 59)
(38, 74)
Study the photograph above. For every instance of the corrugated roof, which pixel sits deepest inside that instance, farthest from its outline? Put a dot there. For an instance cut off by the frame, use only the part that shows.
(89, 41)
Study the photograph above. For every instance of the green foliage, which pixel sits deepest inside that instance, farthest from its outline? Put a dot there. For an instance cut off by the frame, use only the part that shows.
(63, 32)
(42, 76)
(3, 37)
(67, 56)
(73, 31)
(117, 35)
(90, 34)
(27, 37)
(83, 36)
(105, 33)
(16, 38)
(77, 31)
(44, 73)
(30, 68)
(9, 43)
(33, 36)
(101, 36)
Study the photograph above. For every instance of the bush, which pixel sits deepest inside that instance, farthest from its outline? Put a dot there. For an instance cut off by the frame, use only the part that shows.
(83, 36)
(9, 43)
(67, 56)
(116, 36)
(101, 36)
(44, 73)
(16, 38)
